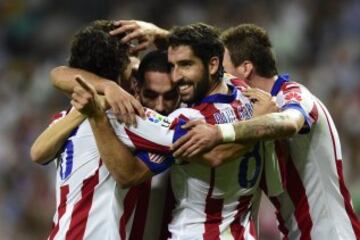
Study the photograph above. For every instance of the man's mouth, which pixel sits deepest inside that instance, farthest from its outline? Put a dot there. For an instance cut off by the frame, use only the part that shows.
(184, 87)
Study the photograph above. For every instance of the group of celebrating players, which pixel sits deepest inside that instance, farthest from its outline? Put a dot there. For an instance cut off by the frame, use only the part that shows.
(182, 144)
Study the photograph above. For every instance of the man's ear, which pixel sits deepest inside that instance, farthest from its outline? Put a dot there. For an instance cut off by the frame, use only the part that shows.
(248, 68)
(214, 65)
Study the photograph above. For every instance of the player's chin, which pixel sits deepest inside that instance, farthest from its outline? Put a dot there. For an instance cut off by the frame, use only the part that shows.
(187, 98)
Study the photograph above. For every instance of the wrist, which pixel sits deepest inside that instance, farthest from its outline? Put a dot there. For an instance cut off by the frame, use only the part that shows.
(227, 132)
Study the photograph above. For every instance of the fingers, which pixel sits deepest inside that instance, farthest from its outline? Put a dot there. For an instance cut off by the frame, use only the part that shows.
(84, 84)
(257, 94)
(190, 151)
(123, 22)
(195, 152)
(180, 152)
(131, 36)
(130, 114)
(126, 26)
(191, 124)
(180, 142)
(80, 95)
(76, 105)
(139, 109)
(141, 46)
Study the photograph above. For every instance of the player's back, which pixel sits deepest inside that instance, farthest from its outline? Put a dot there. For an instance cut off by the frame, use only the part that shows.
(316, 203)
(217, 203)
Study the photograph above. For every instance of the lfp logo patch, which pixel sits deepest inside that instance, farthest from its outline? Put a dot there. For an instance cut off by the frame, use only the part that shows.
(154, 116)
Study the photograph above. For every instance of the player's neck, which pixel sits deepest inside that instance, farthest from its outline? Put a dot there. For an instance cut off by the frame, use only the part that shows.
(265, 84)
(218, 88)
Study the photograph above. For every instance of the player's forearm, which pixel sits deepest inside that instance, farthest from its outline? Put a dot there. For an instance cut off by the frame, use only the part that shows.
(48, 144)
(63, 78)
(119, 160)
(267, 127)
(223, 153)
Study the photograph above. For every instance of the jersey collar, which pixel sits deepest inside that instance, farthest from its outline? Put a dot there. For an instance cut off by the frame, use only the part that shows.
(278, 83)
(221, 98)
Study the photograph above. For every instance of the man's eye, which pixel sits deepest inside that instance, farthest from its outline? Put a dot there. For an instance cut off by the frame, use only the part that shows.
(172, 95)
(150, 94)
(186, 64)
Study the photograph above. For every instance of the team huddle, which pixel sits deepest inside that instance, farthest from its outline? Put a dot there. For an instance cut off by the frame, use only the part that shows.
(183, 143)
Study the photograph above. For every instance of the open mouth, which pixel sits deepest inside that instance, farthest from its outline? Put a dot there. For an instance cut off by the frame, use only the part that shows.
(185, 88)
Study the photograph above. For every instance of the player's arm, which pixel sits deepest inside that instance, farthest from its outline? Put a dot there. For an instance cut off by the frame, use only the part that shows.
(268, 127)
(204, 137)
(221, 154)
(124, 105)
(146, 33)
(127, 169)
(121, 163)
(48, 144)
(63, 78)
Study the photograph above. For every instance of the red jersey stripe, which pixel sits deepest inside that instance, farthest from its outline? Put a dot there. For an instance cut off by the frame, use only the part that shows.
(81, 209)
(137, 231)
(343, 189)
(298, 196)
(213, 210)
(282, 227)
(64, 191)
(237, 230)
(169, 206)
(130, 201)
(141, 143)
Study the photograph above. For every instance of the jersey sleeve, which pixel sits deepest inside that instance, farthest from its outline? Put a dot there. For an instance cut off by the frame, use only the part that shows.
(155, 133)
(57, 116)
(294, 96)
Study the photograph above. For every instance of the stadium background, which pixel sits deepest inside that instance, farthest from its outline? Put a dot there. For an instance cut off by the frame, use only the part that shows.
(316, 41)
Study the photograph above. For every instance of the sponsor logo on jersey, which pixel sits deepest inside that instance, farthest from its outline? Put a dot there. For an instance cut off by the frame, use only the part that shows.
(155, 117)
(225, 116)
(246, 111)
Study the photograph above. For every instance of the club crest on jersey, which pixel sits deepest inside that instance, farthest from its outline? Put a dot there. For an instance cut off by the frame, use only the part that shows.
(155, 158)
(155, 117)
(292, 97)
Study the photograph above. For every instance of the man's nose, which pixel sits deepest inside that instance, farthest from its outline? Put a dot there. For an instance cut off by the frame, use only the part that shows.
(176, 75)
(160, 105)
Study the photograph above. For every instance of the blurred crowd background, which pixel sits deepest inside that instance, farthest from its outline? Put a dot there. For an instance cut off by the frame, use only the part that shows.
(316, 41)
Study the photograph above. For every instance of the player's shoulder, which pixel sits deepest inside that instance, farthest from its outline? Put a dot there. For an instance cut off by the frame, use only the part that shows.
(295, 90)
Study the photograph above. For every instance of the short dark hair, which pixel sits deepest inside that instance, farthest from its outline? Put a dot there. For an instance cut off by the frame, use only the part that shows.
(204, 41)
(250, 42)
(156, 61)
(95, 50)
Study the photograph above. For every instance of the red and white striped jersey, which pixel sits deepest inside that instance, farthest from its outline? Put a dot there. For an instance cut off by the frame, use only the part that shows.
(217, 203)
(90, 204)
(316, 203)
(211, 202)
